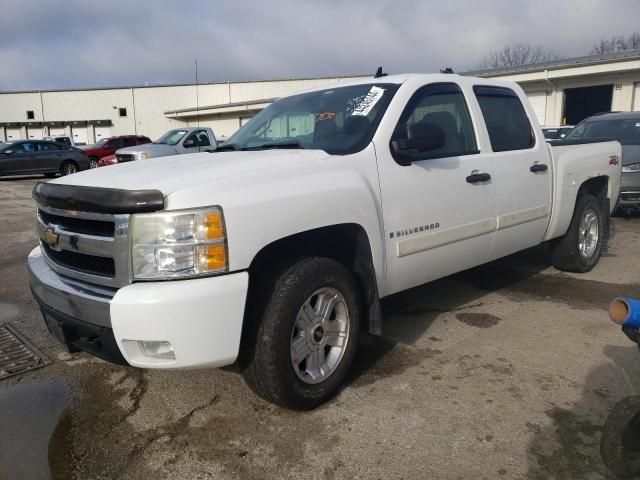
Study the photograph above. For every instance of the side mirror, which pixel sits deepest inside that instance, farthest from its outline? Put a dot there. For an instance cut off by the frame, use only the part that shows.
(189, 142)
(421, 138)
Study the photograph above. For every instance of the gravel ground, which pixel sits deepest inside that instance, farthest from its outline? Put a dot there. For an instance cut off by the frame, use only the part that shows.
(505, 371)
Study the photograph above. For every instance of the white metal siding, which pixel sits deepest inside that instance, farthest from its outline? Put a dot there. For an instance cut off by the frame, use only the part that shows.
(34, 133)
(79, 135)
(56, 131)
(636, 97)
(538, 101)
(14, 134)
(102, 132)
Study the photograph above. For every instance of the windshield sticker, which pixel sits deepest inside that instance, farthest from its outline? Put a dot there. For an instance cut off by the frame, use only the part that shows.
(363, 105)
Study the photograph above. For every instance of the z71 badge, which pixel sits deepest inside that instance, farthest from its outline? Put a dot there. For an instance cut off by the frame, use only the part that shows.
(411, 231)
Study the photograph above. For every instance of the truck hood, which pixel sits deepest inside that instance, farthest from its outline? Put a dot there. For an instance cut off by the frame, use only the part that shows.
(154, 149)
(180, 172)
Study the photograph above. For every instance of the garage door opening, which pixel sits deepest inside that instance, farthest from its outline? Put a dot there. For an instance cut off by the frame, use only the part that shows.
(580, 103)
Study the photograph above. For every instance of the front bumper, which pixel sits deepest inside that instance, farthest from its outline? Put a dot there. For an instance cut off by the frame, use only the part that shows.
(201, 318)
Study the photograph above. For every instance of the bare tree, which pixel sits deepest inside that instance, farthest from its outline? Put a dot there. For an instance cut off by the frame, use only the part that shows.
(617, 44)
(518, 54)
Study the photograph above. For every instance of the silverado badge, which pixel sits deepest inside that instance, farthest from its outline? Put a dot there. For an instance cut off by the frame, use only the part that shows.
(50, 237)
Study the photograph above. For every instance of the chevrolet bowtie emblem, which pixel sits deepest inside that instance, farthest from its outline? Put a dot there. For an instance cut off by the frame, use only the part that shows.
(50, 237)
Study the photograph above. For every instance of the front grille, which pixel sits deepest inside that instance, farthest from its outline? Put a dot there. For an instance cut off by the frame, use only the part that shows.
(79, 225)
(91, 264)
(124, 157)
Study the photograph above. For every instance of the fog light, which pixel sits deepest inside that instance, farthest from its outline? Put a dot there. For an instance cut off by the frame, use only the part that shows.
(154, 349)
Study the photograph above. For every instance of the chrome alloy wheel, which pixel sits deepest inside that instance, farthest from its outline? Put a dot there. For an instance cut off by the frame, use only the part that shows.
(320, 335)
(588, 233)
(69, 168)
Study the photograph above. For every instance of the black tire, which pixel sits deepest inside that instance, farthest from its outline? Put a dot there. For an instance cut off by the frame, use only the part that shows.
(565, 251)
(620, 442)
(269, 370)
(68, 167)
(93, 162)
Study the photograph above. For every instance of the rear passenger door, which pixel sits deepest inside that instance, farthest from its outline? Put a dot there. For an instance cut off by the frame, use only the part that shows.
(521, 170)
(49, 155)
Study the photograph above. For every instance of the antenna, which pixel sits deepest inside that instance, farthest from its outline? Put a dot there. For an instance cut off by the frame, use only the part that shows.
(379, 73)
(197, 100)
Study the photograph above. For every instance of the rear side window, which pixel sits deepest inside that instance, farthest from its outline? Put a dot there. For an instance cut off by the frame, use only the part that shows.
(129, 142)
(506, 120)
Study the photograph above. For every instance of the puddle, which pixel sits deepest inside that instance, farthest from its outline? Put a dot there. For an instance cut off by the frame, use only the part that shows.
(36, 438)
(8, 311)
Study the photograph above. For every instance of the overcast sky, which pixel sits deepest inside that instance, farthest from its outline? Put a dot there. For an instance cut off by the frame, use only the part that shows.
(84, 43)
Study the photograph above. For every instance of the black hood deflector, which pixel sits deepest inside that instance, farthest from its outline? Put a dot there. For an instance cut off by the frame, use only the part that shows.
(97, 199)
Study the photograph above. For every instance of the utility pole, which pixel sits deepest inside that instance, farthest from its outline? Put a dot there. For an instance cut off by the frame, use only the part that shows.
(197, 100)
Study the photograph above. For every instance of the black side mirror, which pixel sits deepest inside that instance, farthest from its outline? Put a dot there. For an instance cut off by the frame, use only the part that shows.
(190, 142)
(421, 138)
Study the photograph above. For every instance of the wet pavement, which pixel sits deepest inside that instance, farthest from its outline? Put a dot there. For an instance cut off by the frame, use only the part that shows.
(505, 371)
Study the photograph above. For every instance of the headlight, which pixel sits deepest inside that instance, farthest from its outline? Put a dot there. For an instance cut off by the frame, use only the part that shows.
(142, 155)
(178, 244)
(631, 168)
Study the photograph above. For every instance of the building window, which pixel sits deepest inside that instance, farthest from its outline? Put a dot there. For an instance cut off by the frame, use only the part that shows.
(123, 112)
(30, 115)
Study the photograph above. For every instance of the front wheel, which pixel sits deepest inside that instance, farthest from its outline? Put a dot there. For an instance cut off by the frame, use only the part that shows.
(580, 248)
(68, 168)
(307, 334)
(93, 162)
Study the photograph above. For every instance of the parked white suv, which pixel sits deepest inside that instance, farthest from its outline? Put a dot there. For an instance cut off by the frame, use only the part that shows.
(275, 250)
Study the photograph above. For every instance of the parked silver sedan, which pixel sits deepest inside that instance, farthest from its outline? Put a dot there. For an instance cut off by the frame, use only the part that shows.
(624, 127)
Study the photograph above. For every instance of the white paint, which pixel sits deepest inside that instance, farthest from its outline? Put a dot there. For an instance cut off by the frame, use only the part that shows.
(522, 216)
(79, 135)
(444, 237)
(14, 134)
(538, 101)
(201, 318)
(636, 97)
(102, 132)
(34, 133)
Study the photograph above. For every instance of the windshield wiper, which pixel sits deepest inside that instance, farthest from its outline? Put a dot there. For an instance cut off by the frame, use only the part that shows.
(288, 144)
(225, 147)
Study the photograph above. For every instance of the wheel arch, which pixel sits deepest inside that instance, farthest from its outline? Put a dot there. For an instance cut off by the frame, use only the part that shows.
(347, 243)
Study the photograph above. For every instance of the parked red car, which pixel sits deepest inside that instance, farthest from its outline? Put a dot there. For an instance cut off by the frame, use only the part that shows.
(108, 160)
(108, 146)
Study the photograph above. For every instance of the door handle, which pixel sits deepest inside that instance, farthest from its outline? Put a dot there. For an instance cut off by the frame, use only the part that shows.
(476, 177)
(538, 167)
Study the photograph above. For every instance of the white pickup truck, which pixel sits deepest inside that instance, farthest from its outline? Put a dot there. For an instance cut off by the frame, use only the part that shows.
(275, 250)
(175, 142)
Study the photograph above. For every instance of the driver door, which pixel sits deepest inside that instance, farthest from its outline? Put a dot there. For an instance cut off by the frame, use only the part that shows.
(439, 213)
(19, 158)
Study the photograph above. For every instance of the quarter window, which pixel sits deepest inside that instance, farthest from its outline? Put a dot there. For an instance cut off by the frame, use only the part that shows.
(506, 119)
(445, 106)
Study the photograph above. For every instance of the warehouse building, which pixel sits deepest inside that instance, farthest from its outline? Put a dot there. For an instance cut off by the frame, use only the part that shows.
(91, 114)
(564, 92)
(561, 92)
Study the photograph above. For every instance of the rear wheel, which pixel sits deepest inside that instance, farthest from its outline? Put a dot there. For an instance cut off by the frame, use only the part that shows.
(580, 248)
(307, 333)
(620, 442)
(68, 167)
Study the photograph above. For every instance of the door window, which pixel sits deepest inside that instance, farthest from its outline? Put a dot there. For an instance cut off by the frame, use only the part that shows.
(47, 147)
(129, 142)
(443, 105)
(506, 119)
(200, 139)
(26, 147)
(115, 143)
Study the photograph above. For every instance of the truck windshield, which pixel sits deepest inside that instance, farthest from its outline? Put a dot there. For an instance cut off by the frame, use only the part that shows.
(339, 120)
(172, 137)
(626, 131)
